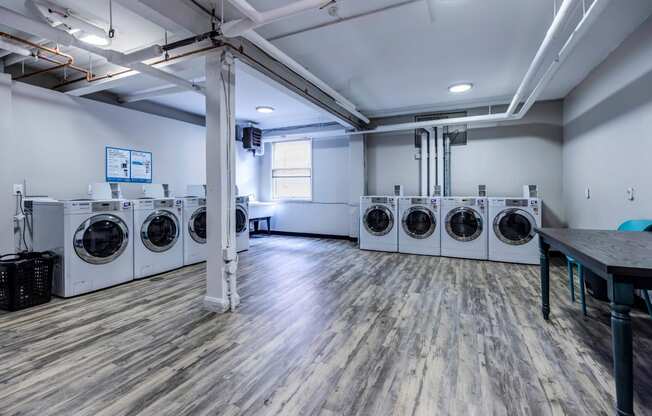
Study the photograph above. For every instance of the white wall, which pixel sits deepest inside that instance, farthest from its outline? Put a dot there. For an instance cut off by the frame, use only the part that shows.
(328, 212)
(503, 157)
(57, 144)
(247, 171)
(608, 138)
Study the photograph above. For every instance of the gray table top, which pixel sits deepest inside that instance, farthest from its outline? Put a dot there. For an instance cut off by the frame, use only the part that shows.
(605, 251)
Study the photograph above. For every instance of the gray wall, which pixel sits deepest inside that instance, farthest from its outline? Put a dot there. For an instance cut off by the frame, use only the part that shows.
(504, 157)
(56, 143)
(328, 212)
(608, 138)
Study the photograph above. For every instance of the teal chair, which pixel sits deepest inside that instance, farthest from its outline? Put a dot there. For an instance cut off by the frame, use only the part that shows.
(631, 225)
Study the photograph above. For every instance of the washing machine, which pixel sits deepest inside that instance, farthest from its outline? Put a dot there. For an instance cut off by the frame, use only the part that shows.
(513, 229)
(378, 226)
(158, 244)
(420, 231)
(242, 223)
(93, 238)
(194, 230)
(464, 232)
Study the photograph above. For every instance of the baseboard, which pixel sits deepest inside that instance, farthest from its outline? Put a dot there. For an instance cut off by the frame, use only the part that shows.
(309, 235)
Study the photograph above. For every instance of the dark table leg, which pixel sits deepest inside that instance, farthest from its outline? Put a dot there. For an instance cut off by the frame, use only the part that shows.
(269, 227)
(622, 297)
(544, 249)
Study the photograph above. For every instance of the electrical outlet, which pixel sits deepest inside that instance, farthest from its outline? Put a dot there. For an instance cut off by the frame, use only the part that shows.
(19, 189)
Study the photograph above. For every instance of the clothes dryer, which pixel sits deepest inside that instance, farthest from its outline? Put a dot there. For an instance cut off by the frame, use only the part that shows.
(513, 229)
(378, 226)
(465, 227)
(420, 230)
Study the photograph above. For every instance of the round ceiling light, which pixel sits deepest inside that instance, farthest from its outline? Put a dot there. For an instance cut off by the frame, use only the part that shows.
(460, 88)
(265, 109)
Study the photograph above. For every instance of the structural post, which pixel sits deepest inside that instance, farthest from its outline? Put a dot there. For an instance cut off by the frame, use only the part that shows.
(221, 265)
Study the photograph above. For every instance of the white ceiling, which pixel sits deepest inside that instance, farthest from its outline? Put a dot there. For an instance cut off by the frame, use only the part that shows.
(389, 61)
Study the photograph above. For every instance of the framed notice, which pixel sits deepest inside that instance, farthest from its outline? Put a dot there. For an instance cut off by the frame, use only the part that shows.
(124, 165)
(141, 166)
(118, 165)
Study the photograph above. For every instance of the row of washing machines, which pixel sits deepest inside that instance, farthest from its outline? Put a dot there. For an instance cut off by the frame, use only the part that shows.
(103, 243)
(499, 229)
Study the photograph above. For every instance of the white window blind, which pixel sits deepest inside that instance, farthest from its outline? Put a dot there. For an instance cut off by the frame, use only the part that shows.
(292, 170)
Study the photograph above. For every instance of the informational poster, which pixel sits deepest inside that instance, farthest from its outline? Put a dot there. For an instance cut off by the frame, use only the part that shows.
(124, 165)
(118, 165)
(141, 166)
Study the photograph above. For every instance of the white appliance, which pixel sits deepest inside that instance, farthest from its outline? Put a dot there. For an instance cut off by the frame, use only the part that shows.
(194, 230)
(464, 233)
(158, 241)
(93, 238)
(513, 222)
(420, 230)
(242, 223)
(378, 223)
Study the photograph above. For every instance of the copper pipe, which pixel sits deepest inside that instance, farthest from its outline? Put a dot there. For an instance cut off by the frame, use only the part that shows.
(56, 52)
(113, 74)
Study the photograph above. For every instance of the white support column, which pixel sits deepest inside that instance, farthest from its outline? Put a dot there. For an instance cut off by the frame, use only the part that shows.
(357, 182)
(221, 265)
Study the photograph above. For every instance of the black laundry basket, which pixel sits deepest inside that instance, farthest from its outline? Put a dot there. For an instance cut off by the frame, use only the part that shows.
(25, 280)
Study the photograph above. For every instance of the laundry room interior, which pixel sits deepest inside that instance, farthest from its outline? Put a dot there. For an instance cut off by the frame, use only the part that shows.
(325, 207)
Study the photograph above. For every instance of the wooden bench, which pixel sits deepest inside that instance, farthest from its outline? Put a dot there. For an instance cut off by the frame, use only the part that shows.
(256, 222)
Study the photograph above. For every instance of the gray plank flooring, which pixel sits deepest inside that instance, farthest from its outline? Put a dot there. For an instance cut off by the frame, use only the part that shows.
(324, 329)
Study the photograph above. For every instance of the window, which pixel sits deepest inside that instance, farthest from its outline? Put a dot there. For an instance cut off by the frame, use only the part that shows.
(292, 170)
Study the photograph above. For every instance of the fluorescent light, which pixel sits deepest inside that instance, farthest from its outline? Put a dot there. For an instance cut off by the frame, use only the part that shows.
(461, 87)
(94, 39)
(265, 109)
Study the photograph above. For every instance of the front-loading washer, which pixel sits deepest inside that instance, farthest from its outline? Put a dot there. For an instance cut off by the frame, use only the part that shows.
(242, 223)
(513, 224)
(378, 223)
(420, 230)
(464, 231)
(158, 241)
(194, 230)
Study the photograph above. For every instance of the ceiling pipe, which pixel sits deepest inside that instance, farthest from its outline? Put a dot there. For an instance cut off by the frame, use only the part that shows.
(594, 11)
(553, 33)
(18, 21)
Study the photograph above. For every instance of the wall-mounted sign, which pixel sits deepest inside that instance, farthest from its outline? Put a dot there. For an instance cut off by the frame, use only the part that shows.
(118, 165)
(141, 166)
(124, 165)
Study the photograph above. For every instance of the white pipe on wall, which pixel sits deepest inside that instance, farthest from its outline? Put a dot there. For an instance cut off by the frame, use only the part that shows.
(590, 16)
(423, 163)
(561, 18)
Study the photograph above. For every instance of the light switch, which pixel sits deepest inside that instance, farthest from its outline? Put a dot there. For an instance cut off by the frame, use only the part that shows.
(630, 194)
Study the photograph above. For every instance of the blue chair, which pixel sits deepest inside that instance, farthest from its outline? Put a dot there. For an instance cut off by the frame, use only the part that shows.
(631, 225)
(639, 225)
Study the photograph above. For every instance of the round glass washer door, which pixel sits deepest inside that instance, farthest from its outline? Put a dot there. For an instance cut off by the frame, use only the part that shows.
(101, 239)
(160, 231)
(240, 220)
(197, 225)
(378, 220)
(464, 224)
(419, 222)
(514, 226)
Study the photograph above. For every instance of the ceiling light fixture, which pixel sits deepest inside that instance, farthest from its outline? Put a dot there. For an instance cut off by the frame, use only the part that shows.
(93, 39)
(460, 88)
(265, 109)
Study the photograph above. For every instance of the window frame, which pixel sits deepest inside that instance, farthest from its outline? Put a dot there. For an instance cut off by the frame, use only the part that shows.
(272, 169)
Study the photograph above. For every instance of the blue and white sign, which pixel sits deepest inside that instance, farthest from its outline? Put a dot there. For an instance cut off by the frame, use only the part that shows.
(141, 166)
(124, 165)
(118, 165)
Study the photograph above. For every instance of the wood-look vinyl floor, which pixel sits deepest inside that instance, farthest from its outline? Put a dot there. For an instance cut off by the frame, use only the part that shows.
(324, 329)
